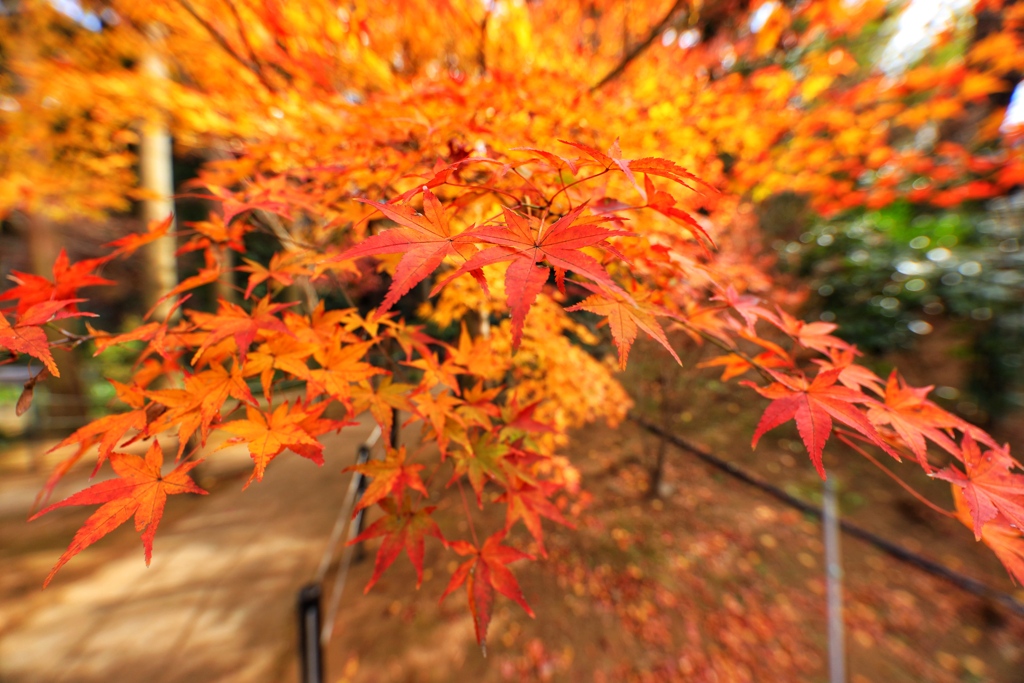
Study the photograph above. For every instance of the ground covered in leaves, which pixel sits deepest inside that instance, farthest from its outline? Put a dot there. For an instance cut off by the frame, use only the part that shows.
(710, 581)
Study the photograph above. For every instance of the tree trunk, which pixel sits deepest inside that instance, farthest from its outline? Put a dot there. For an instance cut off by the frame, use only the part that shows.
(155, 162)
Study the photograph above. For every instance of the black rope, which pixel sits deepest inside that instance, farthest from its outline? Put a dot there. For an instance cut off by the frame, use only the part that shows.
(899, 552)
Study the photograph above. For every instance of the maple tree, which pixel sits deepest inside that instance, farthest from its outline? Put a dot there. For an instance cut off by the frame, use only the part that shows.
(370, 148)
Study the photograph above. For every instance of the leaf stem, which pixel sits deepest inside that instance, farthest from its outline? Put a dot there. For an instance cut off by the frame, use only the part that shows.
(841, 434)
(469, 517)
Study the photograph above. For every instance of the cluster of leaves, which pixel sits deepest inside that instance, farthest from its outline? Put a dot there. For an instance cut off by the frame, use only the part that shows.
(473, 404)
(354, 134)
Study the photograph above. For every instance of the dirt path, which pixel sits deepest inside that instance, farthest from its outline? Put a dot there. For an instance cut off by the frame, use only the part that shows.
(218, 602)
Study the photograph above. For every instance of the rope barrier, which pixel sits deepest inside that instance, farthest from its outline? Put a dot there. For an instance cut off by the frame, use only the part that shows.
(959, 580)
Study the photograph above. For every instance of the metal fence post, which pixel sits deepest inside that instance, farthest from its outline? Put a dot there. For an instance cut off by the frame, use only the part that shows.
(311, 655)
(834, 582)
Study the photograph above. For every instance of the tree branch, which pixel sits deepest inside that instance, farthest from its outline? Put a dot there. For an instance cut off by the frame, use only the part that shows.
(219, 38)
(640, 47)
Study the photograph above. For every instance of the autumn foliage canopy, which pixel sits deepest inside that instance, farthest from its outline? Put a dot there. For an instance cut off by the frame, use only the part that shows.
(515, 182)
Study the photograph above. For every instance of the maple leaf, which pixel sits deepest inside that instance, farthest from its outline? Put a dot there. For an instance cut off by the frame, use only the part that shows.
(810, 335)
(438, 411)
(518, 419)
(341, 367)
(129, 244)
(390, 476)
(436, 372)
(483, 573)
(423, 240)
(68, 278)
(139, 489)
(107, 431)
(382, 402)
(528, 503)
(401, 528)
(477, 356)
(28, 339)
(914, 418)
(747, 305)
(280, 352)
(267, 436)
(734, 365)
(479, 406)
(104, 340)
(1005, 541)
(525, 246)
(283, 269)
(26, 335)
(624, 319)
(665, 204)
(234, 321)
(852, 375)
(988, 486)
(480, 462)
(813, 405)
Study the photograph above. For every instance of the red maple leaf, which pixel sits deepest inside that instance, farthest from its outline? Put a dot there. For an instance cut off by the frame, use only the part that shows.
(529, 503)
(483, 573)
(401, 528)
(424, 240)
(139, 489)
(68, 278)
(665, 204)
(526, 243)
(813, 405)
(988, 486)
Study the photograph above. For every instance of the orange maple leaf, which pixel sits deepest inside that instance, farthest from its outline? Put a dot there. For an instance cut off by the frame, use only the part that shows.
(624, 320)
(266, 436)
(129, 244)
(988, 486)
(29, 339)
(1005, 541)
(139, 489)
(342, 366)
(391, 476)
(914, 418)
(234, 321)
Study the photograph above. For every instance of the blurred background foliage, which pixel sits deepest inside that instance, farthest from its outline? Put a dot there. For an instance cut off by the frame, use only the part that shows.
(900, 275)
